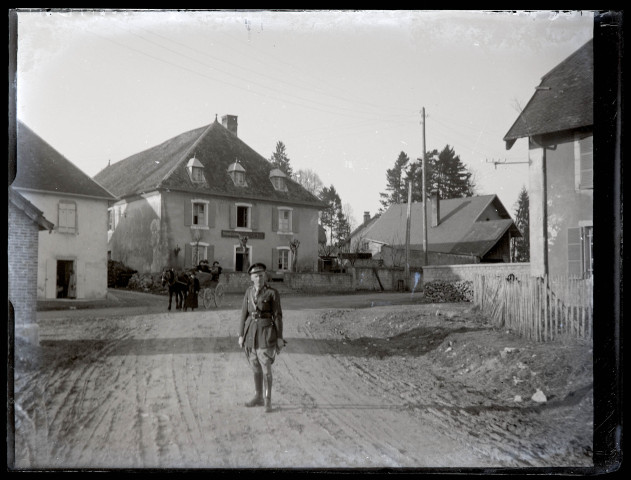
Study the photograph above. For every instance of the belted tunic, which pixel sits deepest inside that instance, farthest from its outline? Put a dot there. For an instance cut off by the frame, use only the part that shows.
(261, 318)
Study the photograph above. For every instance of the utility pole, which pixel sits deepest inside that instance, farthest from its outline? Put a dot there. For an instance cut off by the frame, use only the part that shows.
(407, 235)
(424, 195)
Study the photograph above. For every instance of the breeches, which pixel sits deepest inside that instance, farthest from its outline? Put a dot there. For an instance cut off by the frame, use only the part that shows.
(261, 359)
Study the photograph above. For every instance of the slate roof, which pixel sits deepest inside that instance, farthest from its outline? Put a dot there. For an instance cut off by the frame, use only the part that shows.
(30, 210)
(462, 229)
(562, 101)
(41, 168)
(164, 167)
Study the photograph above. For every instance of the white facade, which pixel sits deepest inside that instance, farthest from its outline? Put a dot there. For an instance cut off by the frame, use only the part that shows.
(79, 243)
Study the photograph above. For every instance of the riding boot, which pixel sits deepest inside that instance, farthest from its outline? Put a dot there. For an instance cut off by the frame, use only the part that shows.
(268, 393)
(258, 388)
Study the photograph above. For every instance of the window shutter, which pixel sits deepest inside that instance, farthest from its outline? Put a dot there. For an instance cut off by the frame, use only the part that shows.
(254, 220)
(188, 213)
(188, 255)
(212, 213)
(294, 222)
(274, 259)
(233, 216)
(587, 162)
(574, 253)
(274, 219)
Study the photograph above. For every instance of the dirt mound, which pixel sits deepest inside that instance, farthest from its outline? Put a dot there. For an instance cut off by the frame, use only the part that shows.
(477, 374)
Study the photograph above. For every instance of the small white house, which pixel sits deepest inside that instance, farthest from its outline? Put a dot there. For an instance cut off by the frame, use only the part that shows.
(72, 258)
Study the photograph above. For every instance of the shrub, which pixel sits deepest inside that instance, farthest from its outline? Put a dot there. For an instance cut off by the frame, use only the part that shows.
(118, 274)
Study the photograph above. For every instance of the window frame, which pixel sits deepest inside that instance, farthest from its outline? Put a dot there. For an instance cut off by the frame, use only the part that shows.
(248, 207)
(580, 255)
(583, 161)
(62, 216)
(290, 220)
(206, 204)
(280, 254)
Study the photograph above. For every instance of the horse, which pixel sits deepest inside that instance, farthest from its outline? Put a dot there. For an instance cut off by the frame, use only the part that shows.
(178, 286)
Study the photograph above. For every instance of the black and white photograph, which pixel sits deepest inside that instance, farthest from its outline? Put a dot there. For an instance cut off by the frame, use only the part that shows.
(314, 240)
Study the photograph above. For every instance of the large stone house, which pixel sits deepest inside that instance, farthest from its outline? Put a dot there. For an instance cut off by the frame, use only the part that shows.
(459, 231)
(206, 195)
(559, 124)
(77, 206)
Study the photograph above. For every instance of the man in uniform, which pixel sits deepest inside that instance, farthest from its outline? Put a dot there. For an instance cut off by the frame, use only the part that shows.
(261, 333)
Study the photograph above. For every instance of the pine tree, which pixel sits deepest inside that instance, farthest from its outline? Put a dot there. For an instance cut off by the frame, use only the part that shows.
(280, 159)
(448, 175)
(521, 246)
(396, 185)
(445, 174)
(328, 216)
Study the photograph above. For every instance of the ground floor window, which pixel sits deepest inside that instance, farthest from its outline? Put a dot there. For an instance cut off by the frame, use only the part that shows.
(580, 251)
(282, 259)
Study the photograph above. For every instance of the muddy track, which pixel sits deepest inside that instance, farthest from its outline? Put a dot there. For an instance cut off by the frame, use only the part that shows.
(167, 391)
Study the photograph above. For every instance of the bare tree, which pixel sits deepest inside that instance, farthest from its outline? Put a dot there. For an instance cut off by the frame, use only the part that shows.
(294, 243)
(309, 180)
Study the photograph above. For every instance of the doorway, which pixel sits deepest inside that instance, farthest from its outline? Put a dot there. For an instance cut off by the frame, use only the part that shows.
(242, 259)
(66, 286)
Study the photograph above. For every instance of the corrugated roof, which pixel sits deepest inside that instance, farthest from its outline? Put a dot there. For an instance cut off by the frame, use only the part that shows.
(164, 167)
(42, 168)
(562, 101)
(461, 229)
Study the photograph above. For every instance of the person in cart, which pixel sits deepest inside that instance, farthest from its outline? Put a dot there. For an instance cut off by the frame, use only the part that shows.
(215, 271)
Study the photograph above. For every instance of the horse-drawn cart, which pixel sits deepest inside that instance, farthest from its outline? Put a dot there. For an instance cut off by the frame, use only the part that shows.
(211, 292)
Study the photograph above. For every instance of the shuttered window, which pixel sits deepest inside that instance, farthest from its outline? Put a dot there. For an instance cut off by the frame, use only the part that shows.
(67, 217)
(587, 162)
(580, 248)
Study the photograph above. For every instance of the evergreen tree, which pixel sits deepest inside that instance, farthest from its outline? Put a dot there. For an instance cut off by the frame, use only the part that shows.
(396, 185)
(328, 216)
(448, 175)
(280, 159)
(445, 174)
(521, 246)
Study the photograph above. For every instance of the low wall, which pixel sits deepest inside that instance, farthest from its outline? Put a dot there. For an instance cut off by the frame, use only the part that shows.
(320, 282)
(450, 273)
(365, 278)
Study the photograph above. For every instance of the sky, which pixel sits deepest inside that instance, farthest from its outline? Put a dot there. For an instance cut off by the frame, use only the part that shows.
(343, 90)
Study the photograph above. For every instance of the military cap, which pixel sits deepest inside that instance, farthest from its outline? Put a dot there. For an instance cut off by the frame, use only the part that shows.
(257, 268)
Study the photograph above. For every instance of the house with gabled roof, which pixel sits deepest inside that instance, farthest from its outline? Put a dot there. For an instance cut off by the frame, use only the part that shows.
(459, 230)
(206, 195)
(77, 206)
(558, 122)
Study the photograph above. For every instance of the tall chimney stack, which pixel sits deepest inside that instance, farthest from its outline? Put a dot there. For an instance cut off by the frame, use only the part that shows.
(435, 207)
(366, 217)
(230, 122)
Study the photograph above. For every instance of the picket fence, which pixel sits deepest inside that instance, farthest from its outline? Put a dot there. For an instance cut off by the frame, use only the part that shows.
(538, 308)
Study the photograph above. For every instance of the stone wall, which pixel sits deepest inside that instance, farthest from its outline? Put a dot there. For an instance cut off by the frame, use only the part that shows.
(448, 273)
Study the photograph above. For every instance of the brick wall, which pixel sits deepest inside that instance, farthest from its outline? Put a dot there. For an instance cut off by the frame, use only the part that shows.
(23, 240)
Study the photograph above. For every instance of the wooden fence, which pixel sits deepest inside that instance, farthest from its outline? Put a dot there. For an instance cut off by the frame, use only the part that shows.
(538, 308)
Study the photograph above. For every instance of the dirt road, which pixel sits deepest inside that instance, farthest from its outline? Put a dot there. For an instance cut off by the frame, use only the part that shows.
(166, 390)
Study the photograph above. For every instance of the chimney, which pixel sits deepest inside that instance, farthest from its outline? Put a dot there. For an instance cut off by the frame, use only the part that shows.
(435, 206)
(230, 122)
(366, 217)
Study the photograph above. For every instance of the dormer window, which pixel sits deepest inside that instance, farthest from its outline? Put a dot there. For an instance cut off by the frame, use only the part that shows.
(195, 170)
(278, 179)
(237, 173)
